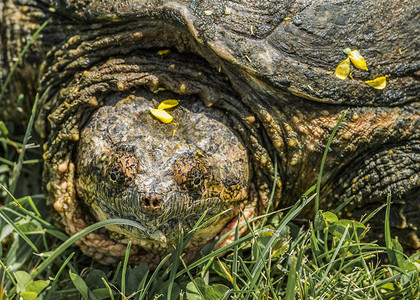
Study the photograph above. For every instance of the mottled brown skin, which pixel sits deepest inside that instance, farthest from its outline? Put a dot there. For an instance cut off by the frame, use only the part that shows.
(163, 176)
(267, 64)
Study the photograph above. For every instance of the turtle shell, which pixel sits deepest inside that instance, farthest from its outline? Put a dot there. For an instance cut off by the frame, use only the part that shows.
(293, 46)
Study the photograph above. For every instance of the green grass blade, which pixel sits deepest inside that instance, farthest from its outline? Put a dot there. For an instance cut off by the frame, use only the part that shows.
(191, 278)
(54, 281)
(215, 253)
(154, 275)
(297, 208)
(124, 269)
(334, 256)
(19, 58)
(291, 280)
(18, 166)
(7, 162)
(8, 273)
(235, 257)
(342, 205)
(78, 236)
(266, 250)
(33, 206)
(17, 229)
(116, 273)
(393, 248)
(111, 294)
(175, 262)
(324, 158)
(50, 228)
(372, 214)
(246, 271)
(143, 281)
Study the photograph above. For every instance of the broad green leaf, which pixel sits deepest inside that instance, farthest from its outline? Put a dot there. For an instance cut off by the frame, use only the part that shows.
(28, 226)
(19, 253)
(33, 290)
(329, 218)
(216, 292)
(398, 256)
(324, 219)
(28, 295)
(23, 280)
(319, 222)
(80, 285)
(37, 286)
(94, 279)
(198, 290)
(135, 277)
(339, 227)
(163, 290)
(5, 229)
(103, 293)
(264, 238)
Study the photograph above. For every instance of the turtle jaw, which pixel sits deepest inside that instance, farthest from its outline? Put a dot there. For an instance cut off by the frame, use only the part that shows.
(178, 213)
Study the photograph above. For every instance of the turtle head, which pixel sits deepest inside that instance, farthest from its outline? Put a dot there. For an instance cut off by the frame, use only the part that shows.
(163, 176)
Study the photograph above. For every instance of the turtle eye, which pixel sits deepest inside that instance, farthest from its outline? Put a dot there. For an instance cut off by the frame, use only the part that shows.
(195, 180)
(121, 168)
(113, 177)
(190, 172)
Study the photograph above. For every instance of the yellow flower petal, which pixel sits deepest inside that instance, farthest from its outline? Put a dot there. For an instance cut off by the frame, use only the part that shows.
(377, 83)
(200, 153)
(163, 52)
(162, 115)
(343, 69)
(358, 60)
(168, 104)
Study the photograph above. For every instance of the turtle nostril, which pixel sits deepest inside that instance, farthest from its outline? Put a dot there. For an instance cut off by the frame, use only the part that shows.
(152, 203)
(147, 202)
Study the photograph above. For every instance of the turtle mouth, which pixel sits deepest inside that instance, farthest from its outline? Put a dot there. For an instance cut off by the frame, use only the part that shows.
(165, 228)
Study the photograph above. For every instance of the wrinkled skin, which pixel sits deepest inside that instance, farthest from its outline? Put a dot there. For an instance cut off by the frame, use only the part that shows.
(163, 178)
(270, 75)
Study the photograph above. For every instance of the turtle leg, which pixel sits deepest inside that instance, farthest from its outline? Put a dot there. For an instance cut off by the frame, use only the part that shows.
(251, 210)
(392, 170)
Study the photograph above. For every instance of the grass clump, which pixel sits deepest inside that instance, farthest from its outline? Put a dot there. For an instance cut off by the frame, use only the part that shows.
(279, 260)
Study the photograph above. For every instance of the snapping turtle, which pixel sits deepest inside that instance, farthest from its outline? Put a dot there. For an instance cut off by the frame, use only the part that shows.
(255, 84)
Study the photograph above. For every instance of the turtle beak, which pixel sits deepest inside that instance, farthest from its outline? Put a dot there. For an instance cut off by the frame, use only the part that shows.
(157, 236)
